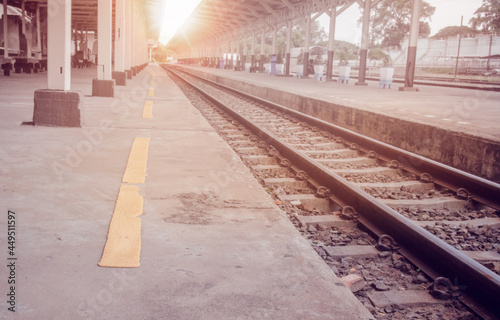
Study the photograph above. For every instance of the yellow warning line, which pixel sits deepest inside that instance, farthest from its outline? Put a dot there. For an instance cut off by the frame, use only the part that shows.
(152, 82)
(151, 92)
(123, 245)
(135, 172)
(147, 112)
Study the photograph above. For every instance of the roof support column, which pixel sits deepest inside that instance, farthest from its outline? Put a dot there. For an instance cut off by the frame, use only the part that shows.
(305, 70)
(411, 60)
(5, 30)
(23, 31)
(27, 32)
(238, 60)
(127, 36)
(57, 106)
(59, 45)
(103, 86)
(231, 53)
(262, 43)
(38, 55)
(253, 52)
(288, 46)
(331, 43)
(365, 37)
(120, 34)
(245, 52)
(275, 35)
(133, 38)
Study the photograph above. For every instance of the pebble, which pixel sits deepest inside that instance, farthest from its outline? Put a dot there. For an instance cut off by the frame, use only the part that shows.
(380, 286)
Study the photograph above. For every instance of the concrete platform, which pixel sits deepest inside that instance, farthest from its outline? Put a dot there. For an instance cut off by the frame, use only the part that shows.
(214, 245)
(455, 126)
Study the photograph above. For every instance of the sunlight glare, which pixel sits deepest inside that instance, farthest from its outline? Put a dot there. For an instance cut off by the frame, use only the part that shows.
(176, 12)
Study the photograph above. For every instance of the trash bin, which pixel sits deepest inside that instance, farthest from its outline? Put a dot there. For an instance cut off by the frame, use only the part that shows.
(273, 64)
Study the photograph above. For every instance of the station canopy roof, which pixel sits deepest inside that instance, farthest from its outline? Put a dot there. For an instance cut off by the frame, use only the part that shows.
(84, 13)
(216, 19)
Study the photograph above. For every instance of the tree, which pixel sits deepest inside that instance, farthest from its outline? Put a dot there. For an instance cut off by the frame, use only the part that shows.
(390, 22)
(453, 31)
(487, 17)
(160, 53)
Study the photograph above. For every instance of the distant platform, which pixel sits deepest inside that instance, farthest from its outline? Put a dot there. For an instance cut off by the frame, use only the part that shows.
(455, 126)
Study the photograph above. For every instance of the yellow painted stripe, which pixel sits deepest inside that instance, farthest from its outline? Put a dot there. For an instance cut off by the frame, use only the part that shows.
(123, 245)
(151, 92)
(135, 172)
(147, 112)
(152, 82)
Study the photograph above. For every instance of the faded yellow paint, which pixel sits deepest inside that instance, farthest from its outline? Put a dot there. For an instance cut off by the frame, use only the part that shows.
(147, 112)
(151, 92)
(135, 172)
(123, 244)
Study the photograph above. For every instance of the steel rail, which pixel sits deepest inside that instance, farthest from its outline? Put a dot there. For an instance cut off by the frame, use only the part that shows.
(482, 190)
(479, 283)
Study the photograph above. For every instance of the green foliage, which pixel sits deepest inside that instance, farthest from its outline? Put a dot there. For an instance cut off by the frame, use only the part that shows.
(453, 31)
(344, 56)
(487, 17)
(376, 54)
(161, 53)
(390, 22)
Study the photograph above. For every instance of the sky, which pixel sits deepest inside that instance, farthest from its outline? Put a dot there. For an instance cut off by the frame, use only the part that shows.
(448, 13)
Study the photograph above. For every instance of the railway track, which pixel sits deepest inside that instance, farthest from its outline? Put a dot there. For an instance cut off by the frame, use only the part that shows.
(331, 181)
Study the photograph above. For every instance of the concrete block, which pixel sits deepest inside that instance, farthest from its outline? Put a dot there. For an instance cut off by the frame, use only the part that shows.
(56, 108)
(120, 78)
(256, 159)
(351, 251)
(134, 71)
(129, 74)
(328, 220)
(409, 298)
(285, 182)
(103, 88)
(308, 201)
(354, 282)
(432, 203)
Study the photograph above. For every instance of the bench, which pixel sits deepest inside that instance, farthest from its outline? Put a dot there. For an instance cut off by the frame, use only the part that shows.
(23, 65)
(6, 67)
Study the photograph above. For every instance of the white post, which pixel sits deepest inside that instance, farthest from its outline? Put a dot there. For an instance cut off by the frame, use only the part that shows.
(59, 44)
(120, 34)
(331, 42)
(307, 44)
(133, 35)
(104, 40)
(412, 47)
(275, 36)
(128, 35)
(288, 46)
(38, 34)
(5, 30)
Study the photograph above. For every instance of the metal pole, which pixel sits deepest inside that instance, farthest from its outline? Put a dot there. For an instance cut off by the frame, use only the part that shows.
(262, 43)
(365, 39)
(412, 47)
(489, 53)
(5, 30)
(288, 46)
(306, 46)
(459, 43)
(331, 43)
